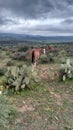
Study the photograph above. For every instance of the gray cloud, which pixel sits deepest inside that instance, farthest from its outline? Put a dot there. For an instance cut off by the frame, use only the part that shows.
(68, 21)
(37, 8)
(27, 8)
(15, 12)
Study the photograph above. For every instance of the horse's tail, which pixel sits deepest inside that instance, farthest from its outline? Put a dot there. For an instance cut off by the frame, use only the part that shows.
(33, 56)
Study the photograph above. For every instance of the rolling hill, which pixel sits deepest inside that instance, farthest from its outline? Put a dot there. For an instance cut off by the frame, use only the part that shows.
(12, 36)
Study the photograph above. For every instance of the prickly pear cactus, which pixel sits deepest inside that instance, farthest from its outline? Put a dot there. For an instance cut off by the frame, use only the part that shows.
(21, 77)
(66, 71)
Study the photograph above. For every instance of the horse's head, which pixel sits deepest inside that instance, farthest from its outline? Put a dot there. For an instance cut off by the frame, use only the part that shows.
(42, 50)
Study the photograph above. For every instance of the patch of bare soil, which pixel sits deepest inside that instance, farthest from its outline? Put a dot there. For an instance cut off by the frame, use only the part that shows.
(25, 108)
(58, 98)
(24, 105)
(47, 72)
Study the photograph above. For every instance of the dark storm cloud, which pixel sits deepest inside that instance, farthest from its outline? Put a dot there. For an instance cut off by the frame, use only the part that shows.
(36, 8)
(14, 12)
(27, 8)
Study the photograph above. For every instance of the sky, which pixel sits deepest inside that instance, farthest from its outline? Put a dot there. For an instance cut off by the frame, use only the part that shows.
(37, 17)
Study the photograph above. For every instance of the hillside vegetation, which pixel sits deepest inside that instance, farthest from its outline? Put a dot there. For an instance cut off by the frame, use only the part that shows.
(38, 98)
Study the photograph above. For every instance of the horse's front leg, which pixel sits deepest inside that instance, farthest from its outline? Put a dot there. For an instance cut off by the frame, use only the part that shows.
(35, 64)
(35, 61)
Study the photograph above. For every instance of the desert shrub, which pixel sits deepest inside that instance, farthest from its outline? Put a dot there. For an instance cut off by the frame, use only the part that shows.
(62, 56)
(66, 71)
(7, 53)
(63, 60)
(2, 71)
(10, 63)
(51, 57)
(7, 112)
(18, 78)
(43, 59)
(62, 52)
(23, 48)
(19, 56)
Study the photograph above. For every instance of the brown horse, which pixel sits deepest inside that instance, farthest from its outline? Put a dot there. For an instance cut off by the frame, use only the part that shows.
(51, 48)
(35, 54)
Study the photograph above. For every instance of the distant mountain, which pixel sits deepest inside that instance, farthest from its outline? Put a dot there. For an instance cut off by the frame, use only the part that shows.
(12, 36)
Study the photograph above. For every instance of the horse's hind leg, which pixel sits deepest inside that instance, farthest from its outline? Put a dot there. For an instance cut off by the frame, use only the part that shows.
(33, 57)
